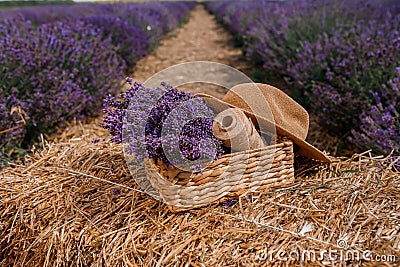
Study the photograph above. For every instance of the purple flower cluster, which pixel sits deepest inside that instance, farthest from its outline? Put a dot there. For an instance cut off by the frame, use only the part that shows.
(58, 62)
(50, 74)
(50, 13)
(133, 27)
(169, 100)
(114, 111)
(351, 74)
(155, 18)
(229, 202)
(273, 30)
(131, 41)
(341, 59)
(380, 120)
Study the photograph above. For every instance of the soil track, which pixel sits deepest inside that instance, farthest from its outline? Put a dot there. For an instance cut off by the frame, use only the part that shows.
(200, 39)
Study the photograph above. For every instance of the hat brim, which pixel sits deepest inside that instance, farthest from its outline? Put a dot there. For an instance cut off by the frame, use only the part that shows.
(304, 148)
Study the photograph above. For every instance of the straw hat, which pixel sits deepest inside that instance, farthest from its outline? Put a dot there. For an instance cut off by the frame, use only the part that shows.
(267, 107)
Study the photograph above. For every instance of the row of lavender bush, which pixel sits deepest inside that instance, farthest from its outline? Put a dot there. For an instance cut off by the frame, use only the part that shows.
(59, 62)
(341, 58)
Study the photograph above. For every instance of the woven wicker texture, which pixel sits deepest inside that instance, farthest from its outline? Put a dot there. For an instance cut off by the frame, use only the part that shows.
(233, 174)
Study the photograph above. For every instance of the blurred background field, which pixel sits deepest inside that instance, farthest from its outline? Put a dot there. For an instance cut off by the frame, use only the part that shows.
(22, 3)
(58, 62)
(339, 59)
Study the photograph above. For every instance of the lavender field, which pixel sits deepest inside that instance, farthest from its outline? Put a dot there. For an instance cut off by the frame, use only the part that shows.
(341, 60)
(57, 63)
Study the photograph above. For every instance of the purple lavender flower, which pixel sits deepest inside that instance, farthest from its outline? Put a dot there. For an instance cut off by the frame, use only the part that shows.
(340, 58)
(229, 202)
(380, 121)
(116, 191)
(46, 80)
(190, 137)
(350, 81)
(58, 62)
(131, 40)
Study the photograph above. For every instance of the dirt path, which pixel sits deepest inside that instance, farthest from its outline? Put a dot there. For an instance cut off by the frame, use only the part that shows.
(201, 39)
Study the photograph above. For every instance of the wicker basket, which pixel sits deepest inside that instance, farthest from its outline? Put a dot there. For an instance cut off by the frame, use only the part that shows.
(233, 174)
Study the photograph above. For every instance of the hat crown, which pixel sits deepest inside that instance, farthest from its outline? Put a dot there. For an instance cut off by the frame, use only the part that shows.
(267, 101)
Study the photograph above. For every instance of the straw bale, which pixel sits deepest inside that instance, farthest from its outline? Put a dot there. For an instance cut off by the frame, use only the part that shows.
(75, 203)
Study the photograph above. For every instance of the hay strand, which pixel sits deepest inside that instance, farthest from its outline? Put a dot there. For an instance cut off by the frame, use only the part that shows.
(75, 203)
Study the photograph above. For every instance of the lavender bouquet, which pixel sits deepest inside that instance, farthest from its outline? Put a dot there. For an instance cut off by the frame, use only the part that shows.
(158, 115)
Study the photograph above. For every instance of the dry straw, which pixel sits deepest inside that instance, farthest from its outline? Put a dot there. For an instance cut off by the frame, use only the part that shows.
(74, 203)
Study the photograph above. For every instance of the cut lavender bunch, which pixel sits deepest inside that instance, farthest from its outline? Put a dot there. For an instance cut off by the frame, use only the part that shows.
(168, 108)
